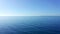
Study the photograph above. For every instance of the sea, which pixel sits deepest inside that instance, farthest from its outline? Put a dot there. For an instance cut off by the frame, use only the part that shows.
(29, 24)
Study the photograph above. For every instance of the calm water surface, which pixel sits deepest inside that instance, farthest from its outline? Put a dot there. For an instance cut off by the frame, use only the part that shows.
(29, 24)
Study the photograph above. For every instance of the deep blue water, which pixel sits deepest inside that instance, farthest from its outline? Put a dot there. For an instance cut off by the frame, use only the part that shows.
(29, 24)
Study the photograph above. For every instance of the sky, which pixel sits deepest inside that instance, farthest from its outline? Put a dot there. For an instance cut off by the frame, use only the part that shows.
(29, 7)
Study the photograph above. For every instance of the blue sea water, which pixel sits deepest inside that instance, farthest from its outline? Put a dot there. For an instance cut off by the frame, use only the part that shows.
(29, 24)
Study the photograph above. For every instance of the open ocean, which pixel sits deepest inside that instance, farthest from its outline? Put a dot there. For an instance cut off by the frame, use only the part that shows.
(29, 24)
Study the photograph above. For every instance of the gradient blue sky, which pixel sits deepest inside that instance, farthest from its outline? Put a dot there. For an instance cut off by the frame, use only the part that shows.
(29, 7)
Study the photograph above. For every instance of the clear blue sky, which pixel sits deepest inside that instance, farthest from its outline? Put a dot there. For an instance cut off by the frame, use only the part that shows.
(29, 7)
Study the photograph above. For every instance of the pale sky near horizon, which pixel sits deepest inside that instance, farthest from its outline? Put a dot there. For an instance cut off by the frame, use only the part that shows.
(29, 7)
